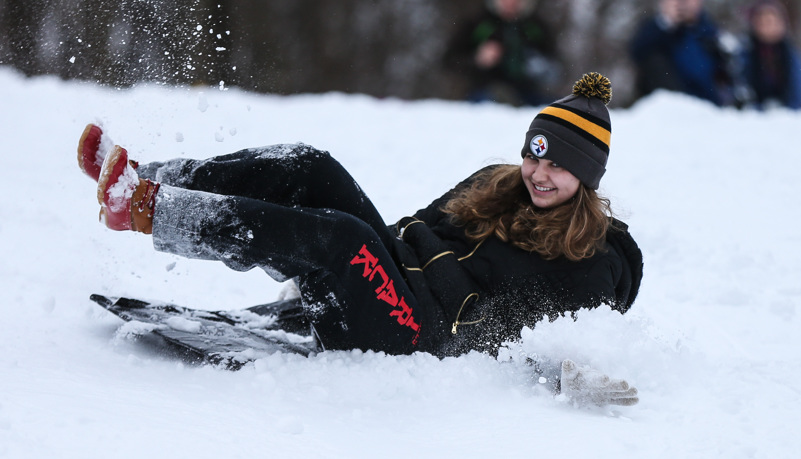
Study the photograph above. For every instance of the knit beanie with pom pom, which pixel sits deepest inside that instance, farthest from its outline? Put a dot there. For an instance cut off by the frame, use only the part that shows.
(575, 132)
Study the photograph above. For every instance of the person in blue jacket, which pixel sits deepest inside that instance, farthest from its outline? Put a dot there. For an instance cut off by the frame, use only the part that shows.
(771, 62)
(679, 49)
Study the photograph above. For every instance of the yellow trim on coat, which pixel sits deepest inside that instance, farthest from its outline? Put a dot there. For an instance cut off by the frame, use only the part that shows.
(473, 251)
(436, 257)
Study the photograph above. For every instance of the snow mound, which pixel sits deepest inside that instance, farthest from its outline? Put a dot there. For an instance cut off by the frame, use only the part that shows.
(711, 343)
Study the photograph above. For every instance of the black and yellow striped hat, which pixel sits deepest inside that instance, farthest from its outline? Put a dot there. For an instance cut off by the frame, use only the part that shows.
(575, 132)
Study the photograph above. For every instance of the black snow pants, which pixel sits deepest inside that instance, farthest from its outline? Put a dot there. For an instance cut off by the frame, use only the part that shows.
(295, 212)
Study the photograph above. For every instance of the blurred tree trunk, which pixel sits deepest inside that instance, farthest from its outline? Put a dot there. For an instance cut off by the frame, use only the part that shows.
(85, 51)
(22, 21)
(383, 48)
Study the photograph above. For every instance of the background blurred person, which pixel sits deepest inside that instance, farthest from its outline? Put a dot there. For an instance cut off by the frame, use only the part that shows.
(507, 54)
(772, 64)
(679, 49)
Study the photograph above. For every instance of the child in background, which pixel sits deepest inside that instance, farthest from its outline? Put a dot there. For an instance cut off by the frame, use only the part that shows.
(772, 65)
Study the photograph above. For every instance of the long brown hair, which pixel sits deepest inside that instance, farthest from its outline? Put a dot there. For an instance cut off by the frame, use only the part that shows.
(499, 204)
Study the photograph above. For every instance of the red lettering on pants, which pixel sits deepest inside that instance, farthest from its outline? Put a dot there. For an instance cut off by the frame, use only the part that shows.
(383, 274)
(389, 295)
(368, 259)
(386, 291)
(404, 315)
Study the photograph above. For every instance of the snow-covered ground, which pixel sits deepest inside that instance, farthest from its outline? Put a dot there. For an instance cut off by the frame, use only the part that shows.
(713, 342)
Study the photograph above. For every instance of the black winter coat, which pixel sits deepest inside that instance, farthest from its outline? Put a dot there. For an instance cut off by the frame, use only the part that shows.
(488, 292)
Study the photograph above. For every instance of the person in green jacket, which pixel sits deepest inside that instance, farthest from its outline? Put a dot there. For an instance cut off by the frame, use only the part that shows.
(506, 55)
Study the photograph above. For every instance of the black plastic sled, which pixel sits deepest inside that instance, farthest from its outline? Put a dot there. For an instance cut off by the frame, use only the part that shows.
(226, 339)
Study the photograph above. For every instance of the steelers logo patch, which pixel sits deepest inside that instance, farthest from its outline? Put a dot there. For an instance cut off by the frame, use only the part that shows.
(539, 145)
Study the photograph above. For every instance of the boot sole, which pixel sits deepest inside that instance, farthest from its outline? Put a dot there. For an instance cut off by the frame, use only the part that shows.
(90, 140)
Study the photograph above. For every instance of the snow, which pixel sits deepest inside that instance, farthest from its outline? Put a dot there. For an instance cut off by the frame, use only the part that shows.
(182, 324)
(119, 194)
(712, 342)
(105, 147)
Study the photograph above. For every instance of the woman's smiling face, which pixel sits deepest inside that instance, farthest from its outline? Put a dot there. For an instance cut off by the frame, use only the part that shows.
(548, 183)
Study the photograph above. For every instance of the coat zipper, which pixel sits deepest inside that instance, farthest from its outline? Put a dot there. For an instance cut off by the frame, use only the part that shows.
(457, 323)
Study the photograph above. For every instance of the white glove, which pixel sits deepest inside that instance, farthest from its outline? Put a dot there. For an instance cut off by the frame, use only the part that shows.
(585, 386)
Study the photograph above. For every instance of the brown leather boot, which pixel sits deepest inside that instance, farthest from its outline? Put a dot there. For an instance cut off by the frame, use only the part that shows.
(143, 206)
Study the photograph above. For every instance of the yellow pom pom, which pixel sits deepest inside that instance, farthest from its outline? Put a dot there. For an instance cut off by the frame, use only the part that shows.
(594, 85)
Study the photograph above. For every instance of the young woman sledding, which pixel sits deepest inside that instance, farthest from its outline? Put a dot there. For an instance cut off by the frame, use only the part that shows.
(502, 249)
